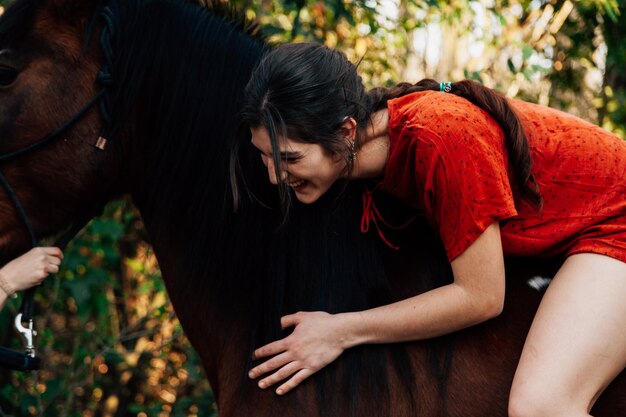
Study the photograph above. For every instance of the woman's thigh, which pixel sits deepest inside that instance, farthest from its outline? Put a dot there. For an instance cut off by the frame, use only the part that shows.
(577, 342)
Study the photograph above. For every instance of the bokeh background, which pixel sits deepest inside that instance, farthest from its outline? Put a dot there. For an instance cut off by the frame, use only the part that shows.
(109, 338)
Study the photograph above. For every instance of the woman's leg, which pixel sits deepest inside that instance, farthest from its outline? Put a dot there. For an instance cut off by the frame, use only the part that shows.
(577, 342)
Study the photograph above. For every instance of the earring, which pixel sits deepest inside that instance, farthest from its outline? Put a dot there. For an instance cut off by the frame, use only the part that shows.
(352, 152)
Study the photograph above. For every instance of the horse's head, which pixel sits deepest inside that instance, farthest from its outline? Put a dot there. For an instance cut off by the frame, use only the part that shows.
(48, 71)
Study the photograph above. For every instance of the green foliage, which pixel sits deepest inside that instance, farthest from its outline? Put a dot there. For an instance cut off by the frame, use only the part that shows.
(108, 336)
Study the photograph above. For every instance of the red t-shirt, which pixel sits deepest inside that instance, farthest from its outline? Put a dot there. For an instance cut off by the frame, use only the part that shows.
(447, 157)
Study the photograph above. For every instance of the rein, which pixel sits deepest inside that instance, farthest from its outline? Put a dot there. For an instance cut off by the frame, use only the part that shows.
(28, 360)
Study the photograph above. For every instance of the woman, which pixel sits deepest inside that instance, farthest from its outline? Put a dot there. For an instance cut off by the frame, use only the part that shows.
(28, 270)
(460, 153)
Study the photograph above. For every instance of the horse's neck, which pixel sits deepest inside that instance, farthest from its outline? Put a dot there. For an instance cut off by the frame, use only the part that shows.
(185, 95)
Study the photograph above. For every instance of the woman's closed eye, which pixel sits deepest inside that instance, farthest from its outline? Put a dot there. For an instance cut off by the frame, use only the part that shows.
(290, 157)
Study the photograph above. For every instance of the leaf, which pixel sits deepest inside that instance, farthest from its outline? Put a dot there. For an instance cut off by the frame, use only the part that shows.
(108, 228)
(527, 52)
(612, 11)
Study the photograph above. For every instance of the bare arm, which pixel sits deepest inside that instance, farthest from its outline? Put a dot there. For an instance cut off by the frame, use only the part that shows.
(476, 295)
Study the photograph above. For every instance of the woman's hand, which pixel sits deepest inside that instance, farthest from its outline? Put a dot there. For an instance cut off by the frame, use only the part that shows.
(317, 339)
(32, 268)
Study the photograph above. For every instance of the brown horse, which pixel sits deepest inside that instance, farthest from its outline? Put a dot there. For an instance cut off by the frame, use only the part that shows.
(158, 81)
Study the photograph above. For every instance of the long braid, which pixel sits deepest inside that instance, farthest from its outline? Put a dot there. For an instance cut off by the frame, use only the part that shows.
(498, 107)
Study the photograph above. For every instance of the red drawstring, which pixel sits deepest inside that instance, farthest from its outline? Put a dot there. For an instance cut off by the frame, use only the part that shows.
(371, 213)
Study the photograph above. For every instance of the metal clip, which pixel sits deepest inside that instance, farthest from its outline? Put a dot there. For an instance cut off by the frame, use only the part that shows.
(28, 334)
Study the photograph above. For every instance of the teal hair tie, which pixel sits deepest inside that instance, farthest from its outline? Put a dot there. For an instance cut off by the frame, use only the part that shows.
(445, 86)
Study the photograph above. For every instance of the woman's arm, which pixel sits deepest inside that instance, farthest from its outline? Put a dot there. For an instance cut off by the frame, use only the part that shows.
(28, 270)
(476, 295)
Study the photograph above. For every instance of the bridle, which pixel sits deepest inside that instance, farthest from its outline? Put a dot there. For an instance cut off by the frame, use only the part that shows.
(24, 321)
(28, 361)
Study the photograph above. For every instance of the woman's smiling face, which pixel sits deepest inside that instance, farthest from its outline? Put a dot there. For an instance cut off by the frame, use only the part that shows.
(307, 168)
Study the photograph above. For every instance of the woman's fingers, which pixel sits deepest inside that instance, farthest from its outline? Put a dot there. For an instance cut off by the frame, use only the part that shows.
(291, 368)
(54, 260)
(48, 255)
(283, 373)
(270, 349)
(54, 251)
(291, 320)
(270, 365)
(45, 251)
(49, 264)
(51, 268)
(294, 381)
(314, 343)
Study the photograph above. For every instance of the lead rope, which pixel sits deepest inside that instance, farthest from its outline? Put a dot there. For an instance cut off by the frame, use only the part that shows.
(104, 77)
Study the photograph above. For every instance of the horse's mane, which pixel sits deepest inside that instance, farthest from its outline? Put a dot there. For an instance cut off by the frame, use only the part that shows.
(241, 264)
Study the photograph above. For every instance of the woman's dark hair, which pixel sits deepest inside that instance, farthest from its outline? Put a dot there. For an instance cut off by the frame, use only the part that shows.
(304, 91)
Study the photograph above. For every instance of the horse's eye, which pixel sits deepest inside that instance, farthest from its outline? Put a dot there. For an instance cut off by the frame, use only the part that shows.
(7, 76)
